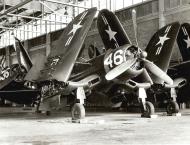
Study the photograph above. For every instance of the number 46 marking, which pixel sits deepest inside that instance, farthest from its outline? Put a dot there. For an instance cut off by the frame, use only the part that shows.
(115, 58)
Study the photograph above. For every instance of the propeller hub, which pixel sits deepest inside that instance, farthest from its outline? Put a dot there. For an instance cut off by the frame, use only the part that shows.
(143, 54)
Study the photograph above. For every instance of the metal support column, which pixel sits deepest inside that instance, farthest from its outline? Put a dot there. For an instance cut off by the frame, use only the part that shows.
(8, 58)
(26, 44)
(110, 4)
(161, 14)
(180, 2)
(48, 44)
(73, 8)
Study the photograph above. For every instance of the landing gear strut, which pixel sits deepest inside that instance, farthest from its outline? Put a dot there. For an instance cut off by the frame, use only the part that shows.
(78, 110)
(147, 107)
(172, 106)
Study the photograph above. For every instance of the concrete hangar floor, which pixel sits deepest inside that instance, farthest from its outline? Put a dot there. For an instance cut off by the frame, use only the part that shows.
(99, 128)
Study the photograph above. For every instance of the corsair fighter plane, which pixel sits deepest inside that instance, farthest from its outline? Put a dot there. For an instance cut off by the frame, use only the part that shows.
(28, 83)
(130, 67)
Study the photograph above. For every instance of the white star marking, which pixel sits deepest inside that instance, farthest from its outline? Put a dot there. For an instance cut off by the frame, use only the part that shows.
(188, 42)
(75, 28)
(162, 39)
(111, 33)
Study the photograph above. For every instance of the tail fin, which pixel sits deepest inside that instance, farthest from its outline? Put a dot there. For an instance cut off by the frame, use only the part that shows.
(2, 62)
(22, 55)
(111, 31)
(183, 41)
(159, 48)
(61, 60)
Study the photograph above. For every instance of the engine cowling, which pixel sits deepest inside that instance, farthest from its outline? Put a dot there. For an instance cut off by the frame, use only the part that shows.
(116, 57)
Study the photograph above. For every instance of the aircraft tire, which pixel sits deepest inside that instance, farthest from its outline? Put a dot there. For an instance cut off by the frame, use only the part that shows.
(150, 110)
(172, 107)
(77, 111)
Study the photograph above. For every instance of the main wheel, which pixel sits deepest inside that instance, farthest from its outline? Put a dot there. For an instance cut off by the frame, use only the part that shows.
(77, 111)
(150, 110)
(172, 107)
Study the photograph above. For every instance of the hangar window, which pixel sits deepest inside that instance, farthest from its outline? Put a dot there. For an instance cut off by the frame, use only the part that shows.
(31, 19)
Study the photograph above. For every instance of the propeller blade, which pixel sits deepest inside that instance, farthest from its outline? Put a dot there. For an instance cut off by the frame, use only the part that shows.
(134, 18)
(147, 76)
(112, 74)
(155, 70)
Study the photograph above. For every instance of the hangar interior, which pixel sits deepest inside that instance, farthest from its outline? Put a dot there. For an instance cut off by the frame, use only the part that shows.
(35, 21)
(39, 23)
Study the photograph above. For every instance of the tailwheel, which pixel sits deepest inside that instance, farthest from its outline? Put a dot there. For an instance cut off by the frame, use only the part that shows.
(77, 111)
(172, 107)
(150, 110)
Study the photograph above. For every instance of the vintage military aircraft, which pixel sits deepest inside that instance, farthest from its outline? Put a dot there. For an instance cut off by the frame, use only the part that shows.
(12, 86)
(128, 68)
(122, 66)
(182, 70)
(27, 83)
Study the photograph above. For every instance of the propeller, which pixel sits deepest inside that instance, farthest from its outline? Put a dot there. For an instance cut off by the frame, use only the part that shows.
(140, 56)
(134, 19)
(120, 69)
(148, 65)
